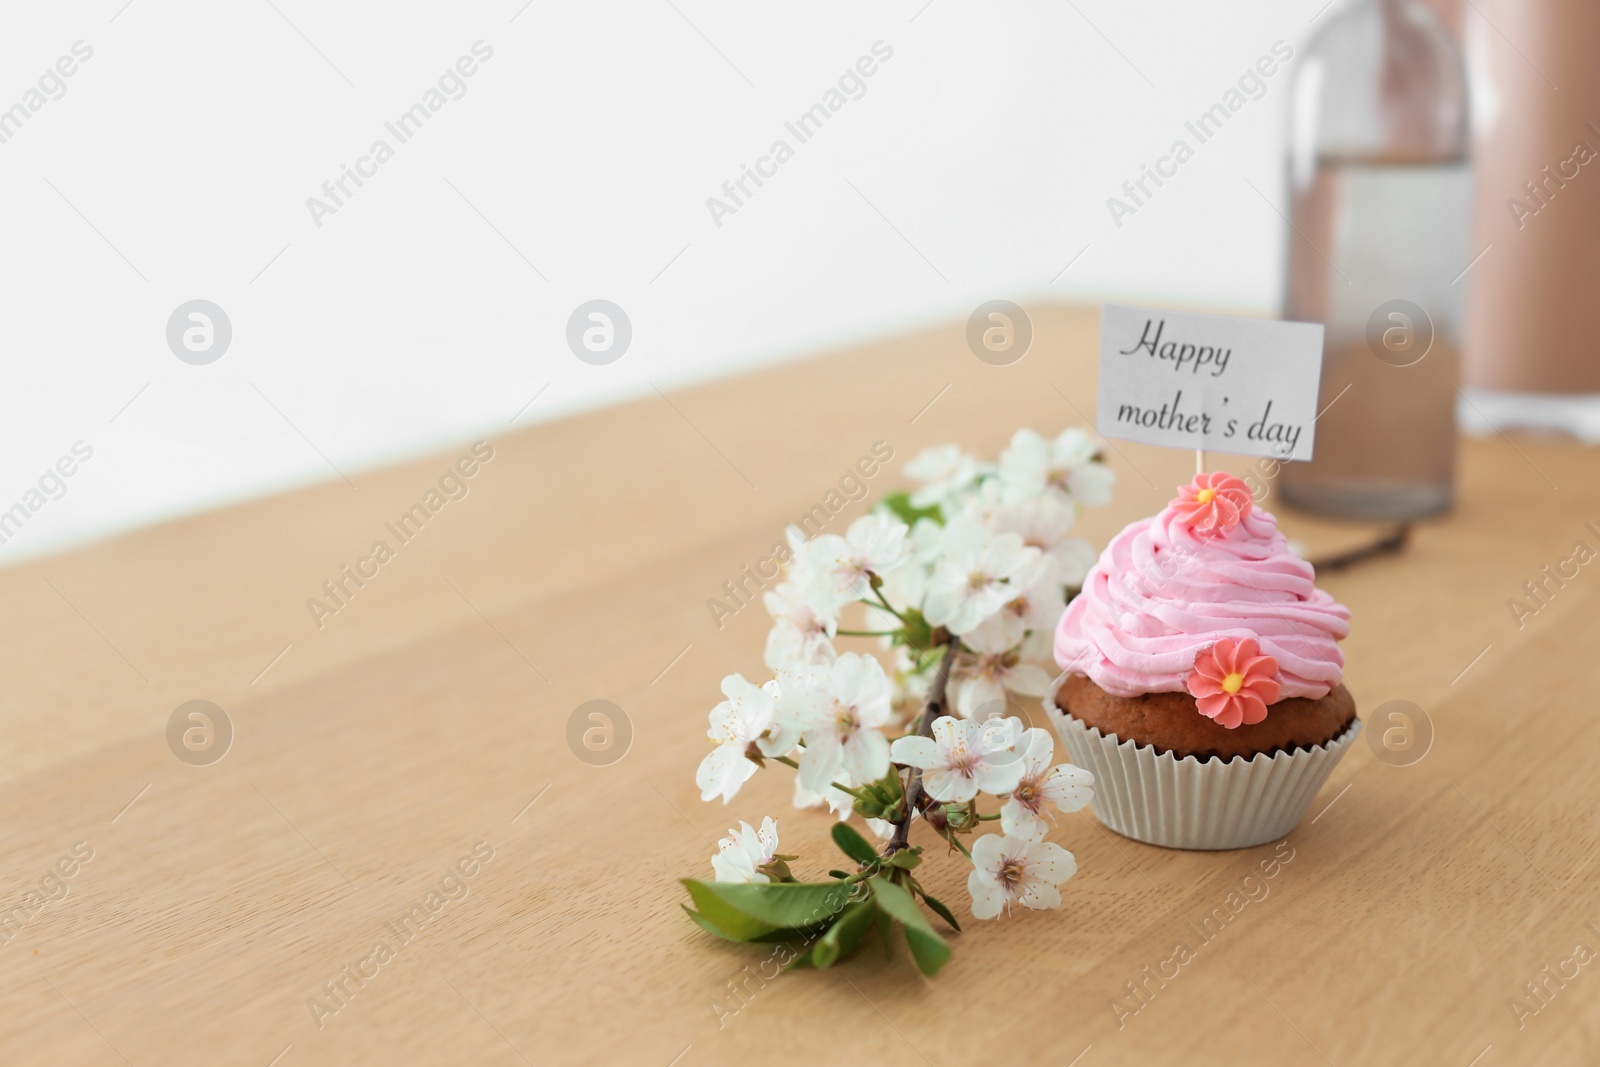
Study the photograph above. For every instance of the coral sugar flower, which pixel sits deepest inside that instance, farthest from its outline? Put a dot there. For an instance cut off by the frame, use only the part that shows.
(1233, 682)
(1213, 503)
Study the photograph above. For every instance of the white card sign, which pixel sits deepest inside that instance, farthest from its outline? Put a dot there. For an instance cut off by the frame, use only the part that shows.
(1247, 386)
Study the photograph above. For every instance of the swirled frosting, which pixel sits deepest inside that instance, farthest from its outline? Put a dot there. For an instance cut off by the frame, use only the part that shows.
(1161, 593)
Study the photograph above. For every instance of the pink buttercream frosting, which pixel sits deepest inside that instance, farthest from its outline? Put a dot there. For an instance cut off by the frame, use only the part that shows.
(1162, 593)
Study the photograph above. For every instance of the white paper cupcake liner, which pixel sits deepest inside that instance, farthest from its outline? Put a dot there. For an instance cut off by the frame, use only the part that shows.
(1183, 803)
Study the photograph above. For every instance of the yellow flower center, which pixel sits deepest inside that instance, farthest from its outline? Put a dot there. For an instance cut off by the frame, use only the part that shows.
(1232, 683)
(1205, 496)
(845, 717)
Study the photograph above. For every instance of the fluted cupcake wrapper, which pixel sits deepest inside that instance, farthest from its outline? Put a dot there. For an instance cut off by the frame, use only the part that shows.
(1162, 800)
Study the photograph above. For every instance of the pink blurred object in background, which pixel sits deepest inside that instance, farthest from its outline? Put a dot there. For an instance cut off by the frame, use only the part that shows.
(1531, 358)
(1537, 98)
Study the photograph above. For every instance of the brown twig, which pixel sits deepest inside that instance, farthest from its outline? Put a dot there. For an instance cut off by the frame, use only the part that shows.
(930, 711)
(1393, 541)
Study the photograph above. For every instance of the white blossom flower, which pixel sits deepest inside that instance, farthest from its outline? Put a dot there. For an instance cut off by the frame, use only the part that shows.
(1039, 645)
(927, 541)
(960, 759)
(840, 804)
(1043, 521)
(906, 583)
(905, 586)
(874, 543)
(909, 684)
(1036, 601)
(800, 634)
(1068, 787)
(839, 711)
(741, 855)
(982, 502)
(798, 568)
(971, 581)
(1016, 870)
(1091, 484)
(1031, 465)
(801, 692)
(735, 723)
(945, 471)
(991, 668)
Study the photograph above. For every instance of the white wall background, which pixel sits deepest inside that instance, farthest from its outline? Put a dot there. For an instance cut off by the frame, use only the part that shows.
(178, 164)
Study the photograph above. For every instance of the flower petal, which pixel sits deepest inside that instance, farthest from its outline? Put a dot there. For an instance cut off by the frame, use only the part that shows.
(866, 755)
(1040, 896)
(1051, 863)
(1091, 484)
(1016, 820)
(948, 786)
(988, 851)
(987, 900)
(1072, 788)
(972, 694)
(1039, 748)
(723, 771)
(920, 752)
(821, 762)
(768, 837)
(998, 777)
(1029, 679)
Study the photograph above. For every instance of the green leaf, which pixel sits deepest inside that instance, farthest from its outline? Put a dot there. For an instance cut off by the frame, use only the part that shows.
(709, 926)
(722, 918)
(929, 950)
(772, 905)
(770, 937)
(896, 902)
(878, 798)
(900, 504)
(869, 809)
(928, 657)
(844, 936)
(906, 858)
(853, 844)
(914, 631)
(927, 947)
(888, 790)
(940, 910)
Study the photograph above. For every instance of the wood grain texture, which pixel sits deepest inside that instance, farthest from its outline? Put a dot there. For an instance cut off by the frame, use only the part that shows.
(426, 715)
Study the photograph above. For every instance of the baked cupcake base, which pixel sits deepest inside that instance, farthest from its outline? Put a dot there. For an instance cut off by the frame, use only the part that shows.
(1171, 722)
(1162, 798)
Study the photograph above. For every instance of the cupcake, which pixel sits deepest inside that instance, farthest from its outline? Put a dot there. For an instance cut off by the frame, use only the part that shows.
(1203, 682)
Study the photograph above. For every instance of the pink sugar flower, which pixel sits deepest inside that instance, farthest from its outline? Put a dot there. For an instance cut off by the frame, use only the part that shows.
(1213, 503)
(1233, 682)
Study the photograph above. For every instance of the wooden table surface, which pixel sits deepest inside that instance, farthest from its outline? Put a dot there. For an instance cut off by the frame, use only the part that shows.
(428, 717)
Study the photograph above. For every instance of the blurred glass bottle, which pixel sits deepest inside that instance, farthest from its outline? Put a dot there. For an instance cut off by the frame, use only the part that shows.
(1381, 194)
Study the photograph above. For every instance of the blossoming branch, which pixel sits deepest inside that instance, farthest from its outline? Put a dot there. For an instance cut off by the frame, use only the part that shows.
(959, 585)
